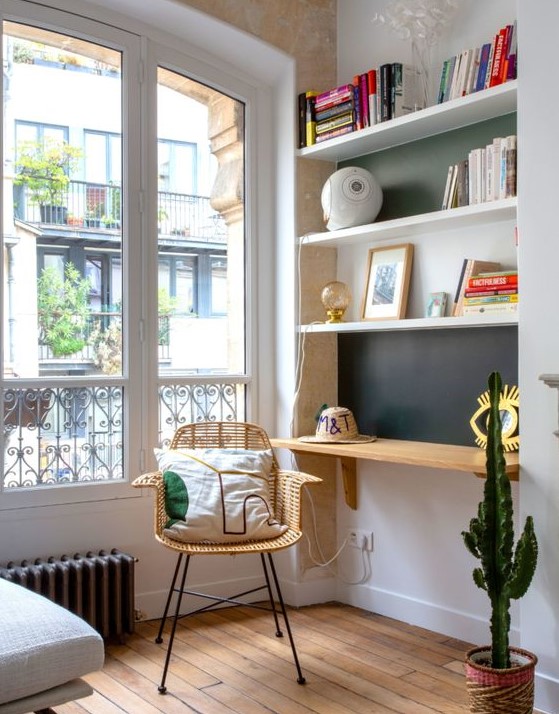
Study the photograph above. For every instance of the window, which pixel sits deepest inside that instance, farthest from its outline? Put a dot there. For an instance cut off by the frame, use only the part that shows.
(133, 304)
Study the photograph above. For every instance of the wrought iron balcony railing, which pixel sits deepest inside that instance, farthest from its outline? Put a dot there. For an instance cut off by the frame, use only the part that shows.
(85, 205)
(62, 434)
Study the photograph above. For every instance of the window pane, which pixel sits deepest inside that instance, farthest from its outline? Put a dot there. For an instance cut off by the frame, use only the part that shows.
(197, 237)
(61, 196)
(63, 225)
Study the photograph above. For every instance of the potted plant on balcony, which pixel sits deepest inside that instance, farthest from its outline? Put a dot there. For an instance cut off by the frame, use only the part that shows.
(63, 310)
(500, 677)
(44, 169)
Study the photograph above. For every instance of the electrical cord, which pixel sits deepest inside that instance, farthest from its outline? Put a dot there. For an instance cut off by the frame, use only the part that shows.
(301, 342)
(324, 563)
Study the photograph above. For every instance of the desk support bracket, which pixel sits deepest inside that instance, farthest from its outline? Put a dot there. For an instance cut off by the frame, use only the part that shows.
(349, 476)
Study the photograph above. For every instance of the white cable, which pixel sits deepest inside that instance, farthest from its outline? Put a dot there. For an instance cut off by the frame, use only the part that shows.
(367, 569)
(300, 361)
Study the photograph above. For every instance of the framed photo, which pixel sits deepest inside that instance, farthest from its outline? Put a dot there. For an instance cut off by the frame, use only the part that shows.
(388, 281)
(436, 306)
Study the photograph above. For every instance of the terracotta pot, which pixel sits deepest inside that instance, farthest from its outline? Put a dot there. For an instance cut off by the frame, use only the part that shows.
(500, 691)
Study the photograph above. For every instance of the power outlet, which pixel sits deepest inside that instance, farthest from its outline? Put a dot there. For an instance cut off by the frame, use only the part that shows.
(361, 539)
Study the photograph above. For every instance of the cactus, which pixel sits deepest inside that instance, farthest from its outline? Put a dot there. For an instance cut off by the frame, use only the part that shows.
(503, 575)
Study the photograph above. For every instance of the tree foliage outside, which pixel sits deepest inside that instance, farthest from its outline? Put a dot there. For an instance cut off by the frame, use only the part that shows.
(63, 310)
(45, 169)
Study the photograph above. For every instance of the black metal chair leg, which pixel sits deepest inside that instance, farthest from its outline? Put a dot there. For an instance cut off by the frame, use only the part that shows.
(300, 678)
(159, 638)
(162, 688)
(279, 633)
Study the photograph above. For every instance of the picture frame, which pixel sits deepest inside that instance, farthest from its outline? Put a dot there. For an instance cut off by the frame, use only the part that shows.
(387, 282)
(436, 306)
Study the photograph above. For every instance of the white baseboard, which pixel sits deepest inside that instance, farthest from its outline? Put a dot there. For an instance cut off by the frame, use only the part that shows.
(431, 616)
(547, 694)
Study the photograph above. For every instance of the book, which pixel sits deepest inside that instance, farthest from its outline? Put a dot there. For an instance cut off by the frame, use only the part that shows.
(462, 198)
(495, 308)
(489, 299)
(473, 71)
(493, 280)
(302, 119)
(448, 86)
(385, 92)
(483, 61)
(452, 196)
(334, 122)
(364, 98)
(407, 91)
(340, 131)
(498, 58)
(341, 93)
(357, 107)
(372, 84)
(446, 195)
(510, 166)
(511, 61)
(489, 63)
(310, 119)
(470, 266)
(443, 81)
(485, 292)
(334, 110)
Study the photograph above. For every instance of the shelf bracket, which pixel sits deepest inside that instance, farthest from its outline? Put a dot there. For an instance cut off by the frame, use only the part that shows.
(552, 380)
(349, 477)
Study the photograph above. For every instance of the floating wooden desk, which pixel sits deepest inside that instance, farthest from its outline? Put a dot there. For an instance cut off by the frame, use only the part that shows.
(394, 451)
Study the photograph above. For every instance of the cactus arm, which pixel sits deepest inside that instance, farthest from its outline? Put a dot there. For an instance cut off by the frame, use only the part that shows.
(525, 561)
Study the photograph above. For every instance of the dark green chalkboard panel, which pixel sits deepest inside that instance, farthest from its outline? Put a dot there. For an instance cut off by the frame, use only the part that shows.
(413, 176)
(422, 385)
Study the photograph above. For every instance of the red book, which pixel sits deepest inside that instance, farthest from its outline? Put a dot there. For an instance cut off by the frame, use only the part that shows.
(493, 282)
(483, 292)
(498, 58)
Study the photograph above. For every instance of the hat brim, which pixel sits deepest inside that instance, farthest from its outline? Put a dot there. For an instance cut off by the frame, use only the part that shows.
(359, 439)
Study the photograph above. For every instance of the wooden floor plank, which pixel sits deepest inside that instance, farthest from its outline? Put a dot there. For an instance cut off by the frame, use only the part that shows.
(230, 662)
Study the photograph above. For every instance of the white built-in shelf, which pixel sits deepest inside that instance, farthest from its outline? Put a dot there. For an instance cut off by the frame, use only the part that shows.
(436, 221)
(487, 104)
(414, 323)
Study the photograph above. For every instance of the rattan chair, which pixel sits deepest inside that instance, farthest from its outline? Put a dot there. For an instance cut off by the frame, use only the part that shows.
(285, 494)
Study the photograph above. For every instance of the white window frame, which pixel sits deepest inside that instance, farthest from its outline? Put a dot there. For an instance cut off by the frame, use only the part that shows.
(259, 221)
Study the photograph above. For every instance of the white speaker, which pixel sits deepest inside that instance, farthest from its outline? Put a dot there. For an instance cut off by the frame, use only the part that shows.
(350, 197)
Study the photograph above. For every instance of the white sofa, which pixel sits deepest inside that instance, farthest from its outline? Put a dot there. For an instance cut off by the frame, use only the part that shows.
(44, 650)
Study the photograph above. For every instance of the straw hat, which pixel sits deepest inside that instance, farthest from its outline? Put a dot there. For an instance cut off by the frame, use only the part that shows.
(336, 425)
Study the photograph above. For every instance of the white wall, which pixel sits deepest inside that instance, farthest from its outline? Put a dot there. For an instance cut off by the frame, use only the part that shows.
(421, 572)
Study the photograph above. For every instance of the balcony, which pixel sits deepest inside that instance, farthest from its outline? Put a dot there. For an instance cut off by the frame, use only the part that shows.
(181, 218)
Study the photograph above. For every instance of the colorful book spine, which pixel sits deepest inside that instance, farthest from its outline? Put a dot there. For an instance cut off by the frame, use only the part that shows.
(484, 292)
(335, 110)
(494, 281)
(372, 84)
(310, 119)
(482, 71)
(490, 309)
(364, 99)
(386, 92)
(334, 123)
(333, 95)
(489, 299)
(340, 131)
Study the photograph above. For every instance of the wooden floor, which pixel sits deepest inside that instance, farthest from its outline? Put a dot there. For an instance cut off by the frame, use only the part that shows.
(231, 661)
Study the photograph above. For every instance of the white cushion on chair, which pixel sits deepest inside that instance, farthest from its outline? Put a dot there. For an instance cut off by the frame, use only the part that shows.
(218, 495)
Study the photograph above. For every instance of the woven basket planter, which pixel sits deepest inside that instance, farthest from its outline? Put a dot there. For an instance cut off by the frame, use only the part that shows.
(500, 691)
